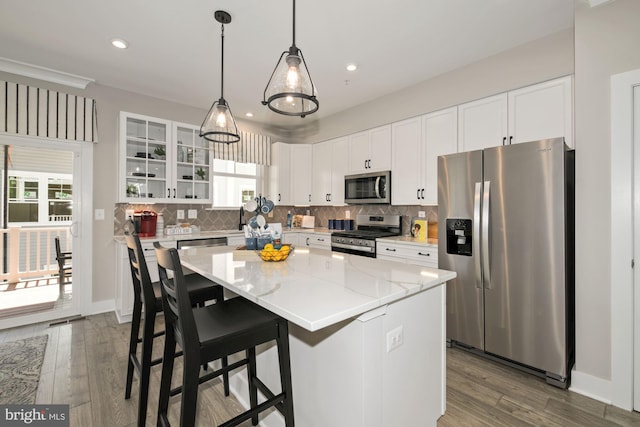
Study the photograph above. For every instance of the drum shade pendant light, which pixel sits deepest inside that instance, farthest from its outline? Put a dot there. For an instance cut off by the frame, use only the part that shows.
(290, 90)
(219, 124)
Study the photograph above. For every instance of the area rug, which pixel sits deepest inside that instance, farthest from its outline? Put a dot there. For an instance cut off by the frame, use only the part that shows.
(20, 364)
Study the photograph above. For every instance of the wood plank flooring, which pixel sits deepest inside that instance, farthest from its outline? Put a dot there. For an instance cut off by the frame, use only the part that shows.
(85, 367)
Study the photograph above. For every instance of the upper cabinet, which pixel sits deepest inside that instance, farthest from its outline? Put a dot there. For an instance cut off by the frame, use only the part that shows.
(301, 164)
(330, 164)
(539, 111)
(417, 143)
(542, 111)
(370, 151)
(439, 137)
(482, 123)
(191, 165)
(407, 183)
(280, 174)
(162, 161)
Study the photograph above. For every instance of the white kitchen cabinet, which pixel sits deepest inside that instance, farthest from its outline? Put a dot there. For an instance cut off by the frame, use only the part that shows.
(417, 143)
(280, 174)
(482, 123)
(236, 241)
(330, 163)
(321, 171)
(370, 151)
(291, 238)
(124, 284)
(439, 137)
(301, 163)
(409, 253)
(315, 240)
(162, 161)
(540, 111)
(407, 183)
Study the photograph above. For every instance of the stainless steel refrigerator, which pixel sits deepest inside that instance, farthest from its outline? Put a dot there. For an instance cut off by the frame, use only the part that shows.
(506, 228)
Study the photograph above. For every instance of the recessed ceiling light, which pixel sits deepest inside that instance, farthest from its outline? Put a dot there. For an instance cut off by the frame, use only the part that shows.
(119, 43)
(249, 114)
(352, 67)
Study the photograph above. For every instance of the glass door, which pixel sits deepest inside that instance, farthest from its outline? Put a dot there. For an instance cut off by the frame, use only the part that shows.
(193, 165)
(40, 199)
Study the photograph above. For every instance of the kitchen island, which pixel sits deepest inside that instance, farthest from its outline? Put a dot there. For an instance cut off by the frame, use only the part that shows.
(367, 336)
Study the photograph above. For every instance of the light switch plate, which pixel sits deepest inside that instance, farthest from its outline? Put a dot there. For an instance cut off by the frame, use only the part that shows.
(193, 213)
(180, 214)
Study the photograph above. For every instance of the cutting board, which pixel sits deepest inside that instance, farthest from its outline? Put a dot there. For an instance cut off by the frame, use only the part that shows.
(308, 221)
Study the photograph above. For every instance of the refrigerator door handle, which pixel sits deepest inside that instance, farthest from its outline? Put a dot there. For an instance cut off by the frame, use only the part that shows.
(476, 235)
(485, 235)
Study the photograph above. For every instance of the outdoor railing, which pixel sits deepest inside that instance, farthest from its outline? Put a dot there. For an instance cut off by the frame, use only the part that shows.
(30, 251)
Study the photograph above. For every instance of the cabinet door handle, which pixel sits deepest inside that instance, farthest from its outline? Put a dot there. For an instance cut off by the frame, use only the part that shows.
(369, 163)
(168, 193)
(279, 197)
(329, 196)
(389, 249)
(174, 193)
(365, 164)
(510, 140)
(309, 198)
(418, 194)
(422, 194)
(320, 240)
(307, 241)
(424, 254)
(504, 140)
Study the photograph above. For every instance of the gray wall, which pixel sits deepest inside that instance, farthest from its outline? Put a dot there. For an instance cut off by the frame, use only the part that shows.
(606, 43)
(534, 62)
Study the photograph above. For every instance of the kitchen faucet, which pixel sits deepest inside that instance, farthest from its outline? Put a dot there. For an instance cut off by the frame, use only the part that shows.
(240, 221)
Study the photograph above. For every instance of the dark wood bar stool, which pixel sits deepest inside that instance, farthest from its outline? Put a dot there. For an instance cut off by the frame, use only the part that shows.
(213, 332)
(148, 295)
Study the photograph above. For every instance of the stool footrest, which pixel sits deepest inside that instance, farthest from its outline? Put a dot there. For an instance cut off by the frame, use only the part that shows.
(214, 374)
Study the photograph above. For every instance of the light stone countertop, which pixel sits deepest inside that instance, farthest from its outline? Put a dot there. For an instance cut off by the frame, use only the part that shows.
(189, 236)
(409, 240)
(313, 288)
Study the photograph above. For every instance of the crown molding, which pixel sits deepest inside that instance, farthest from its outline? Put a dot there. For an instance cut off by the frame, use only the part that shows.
(42, 73)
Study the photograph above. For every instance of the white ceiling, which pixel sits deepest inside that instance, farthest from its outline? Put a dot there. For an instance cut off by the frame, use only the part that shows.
(174, 50)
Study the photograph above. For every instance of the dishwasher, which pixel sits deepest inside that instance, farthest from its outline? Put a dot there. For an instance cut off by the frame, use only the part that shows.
(204, 242)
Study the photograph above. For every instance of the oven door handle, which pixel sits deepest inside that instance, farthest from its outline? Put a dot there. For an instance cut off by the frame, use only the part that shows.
(353, 247)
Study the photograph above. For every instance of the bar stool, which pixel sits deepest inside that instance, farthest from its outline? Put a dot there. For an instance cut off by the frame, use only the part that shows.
(148, 295)
(212, 332)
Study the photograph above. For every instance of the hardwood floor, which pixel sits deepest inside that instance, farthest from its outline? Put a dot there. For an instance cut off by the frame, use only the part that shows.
(85, 366)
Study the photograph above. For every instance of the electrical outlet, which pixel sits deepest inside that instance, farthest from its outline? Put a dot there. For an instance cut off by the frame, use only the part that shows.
(395, 338)
(347, 214)
(270, 214)
(128, 214)
(180, 214)
(99, 214)
(421, 214)
(193, 213)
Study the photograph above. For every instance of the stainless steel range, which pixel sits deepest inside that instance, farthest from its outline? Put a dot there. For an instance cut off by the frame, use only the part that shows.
(362, 240)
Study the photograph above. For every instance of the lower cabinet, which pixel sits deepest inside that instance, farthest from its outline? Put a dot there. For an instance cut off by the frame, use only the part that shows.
(409, 253)
(310, 240)
(124, 287)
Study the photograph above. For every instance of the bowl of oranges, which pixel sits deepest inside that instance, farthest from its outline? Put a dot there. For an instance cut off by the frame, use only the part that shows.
(269, 253)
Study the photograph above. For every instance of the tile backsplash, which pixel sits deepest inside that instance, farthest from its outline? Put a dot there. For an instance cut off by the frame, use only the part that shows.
(218, 219)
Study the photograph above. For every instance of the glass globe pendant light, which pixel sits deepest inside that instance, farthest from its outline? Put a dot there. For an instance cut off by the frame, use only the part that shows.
(219, 124)
(290, 90)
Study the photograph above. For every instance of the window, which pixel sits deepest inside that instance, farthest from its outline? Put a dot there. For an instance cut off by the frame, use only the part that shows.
(234, 183)
(39, 198)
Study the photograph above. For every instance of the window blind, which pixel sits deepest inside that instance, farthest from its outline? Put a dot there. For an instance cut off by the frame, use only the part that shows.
(32, 111)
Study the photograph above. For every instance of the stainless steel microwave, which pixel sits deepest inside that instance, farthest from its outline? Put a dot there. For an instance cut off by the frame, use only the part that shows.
(367, 188)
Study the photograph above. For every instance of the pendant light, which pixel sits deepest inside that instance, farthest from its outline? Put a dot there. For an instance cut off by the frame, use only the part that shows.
(219, 125)
(290, 90)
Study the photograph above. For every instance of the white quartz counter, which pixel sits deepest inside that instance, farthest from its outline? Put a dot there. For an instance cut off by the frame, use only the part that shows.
(189, 236)
(313, 288)
(409, 240)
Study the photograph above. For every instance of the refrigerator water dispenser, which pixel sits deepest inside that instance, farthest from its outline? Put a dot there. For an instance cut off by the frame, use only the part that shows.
(459, 236)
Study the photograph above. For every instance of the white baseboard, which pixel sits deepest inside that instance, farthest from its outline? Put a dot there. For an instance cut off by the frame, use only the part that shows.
(590, 386)
(102, 307)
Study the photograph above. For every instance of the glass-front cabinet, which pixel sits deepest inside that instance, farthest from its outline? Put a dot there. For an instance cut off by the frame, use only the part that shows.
(162, 161)
(193, 164)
